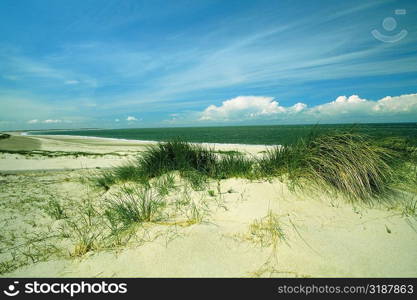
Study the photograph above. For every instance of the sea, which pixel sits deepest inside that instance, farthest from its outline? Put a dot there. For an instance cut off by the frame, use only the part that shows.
(251, 135)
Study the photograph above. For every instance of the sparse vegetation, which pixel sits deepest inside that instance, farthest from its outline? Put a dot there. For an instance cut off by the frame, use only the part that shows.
(134, 205)
(84, 228)
(104, 179)
(410, 207)
(51, 154)
(266, 231)
(164, 184)
(55, 210)
(197, 180)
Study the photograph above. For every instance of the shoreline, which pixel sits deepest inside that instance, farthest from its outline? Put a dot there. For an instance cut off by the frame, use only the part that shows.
(105, 152)
(27, 134)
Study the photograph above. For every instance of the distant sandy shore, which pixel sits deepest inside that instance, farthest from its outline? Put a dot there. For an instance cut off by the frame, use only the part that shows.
(112, 152)
(323, 236)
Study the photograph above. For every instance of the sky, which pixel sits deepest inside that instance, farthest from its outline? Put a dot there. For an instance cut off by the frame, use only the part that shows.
(122, 64)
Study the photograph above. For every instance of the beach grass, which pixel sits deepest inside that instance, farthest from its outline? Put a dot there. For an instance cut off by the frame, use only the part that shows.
(55, 210)
(345, 162)
(232, 165)
(175, 155)
(341, 161)
(266, 231)
(134, 205)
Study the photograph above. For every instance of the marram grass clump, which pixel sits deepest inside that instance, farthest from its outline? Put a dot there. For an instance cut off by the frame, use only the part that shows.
(344, 162)
(232, 165)
(352, 164)
(190, 159)
(175, 156)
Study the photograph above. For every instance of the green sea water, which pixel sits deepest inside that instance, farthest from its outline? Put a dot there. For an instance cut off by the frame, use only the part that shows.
(260, 135)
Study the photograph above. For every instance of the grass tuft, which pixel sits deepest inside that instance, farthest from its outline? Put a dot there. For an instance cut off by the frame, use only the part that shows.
(345, 162)
(134, 205)
(55, 210)
(267, 231)
(232, 165)
(175, 156)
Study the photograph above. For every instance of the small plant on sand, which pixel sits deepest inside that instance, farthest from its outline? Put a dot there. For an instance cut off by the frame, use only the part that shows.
(194, 215)
(104, 179)
(85, 228)
(164, 184)
(127, 172)
(410, 208)
(55, 210)
(85, 236)
(266, 231)
(197, 180)
(124, 173)
(135, 205)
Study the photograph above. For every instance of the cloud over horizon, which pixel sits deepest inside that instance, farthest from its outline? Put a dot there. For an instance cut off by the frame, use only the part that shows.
(131, 118)
(48, 121)
(355, 108)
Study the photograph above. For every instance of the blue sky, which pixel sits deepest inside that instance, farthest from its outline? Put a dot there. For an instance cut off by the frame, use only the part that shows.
(118, 64)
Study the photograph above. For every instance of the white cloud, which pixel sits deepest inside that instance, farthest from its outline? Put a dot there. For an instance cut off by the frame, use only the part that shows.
(343, 108)
(405, 103)
(298, 107)
(247, 107)
(355, 106)
(130, 118)
(117, 120)
(49, 121)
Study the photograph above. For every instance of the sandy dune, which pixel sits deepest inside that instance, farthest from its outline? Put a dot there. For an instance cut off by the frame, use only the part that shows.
(323, 236)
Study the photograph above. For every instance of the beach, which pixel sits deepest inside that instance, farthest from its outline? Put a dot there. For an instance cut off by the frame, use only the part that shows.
(224, 230)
